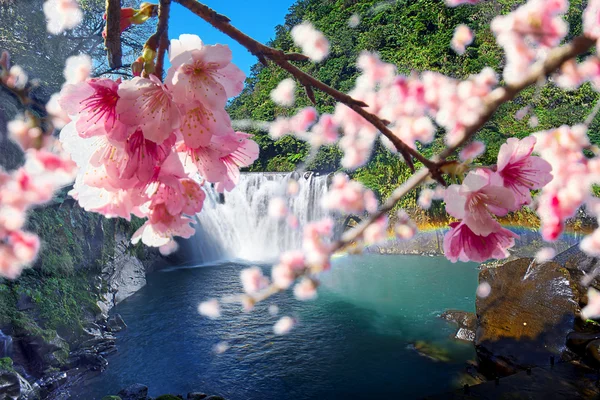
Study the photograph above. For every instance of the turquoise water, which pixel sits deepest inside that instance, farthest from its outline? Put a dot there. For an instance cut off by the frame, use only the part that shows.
(354, 341)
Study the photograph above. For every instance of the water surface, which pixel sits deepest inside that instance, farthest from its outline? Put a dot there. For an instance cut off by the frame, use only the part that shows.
(354, 341)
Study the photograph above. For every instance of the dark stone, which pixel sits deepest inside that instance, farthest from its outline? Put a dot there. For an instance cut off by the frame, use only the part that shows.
(466, 322)
(214, 398)
(116, 323)
(10, 387)
(169, 397)
(577, 341)
(25, 302)
(592, 351)
(134, 392)
(50, 382)
(196, 396)
(526, 318)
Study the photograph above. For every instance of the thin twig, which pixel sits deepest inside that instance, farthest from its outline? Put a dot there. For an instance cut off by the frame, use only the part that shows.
(283, 59)
(113, 33)
(162, 30)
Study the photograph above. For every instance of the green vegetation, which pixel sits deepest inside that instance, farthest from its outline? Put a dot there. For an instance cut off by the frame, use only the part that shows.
(168, 397)
(6, 364)
(414, 36)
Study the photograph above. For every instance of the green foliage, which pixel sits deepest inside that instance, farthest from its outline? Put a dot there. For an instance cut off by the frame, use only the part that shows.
(414, 36)
(167, 397)
(6, 364)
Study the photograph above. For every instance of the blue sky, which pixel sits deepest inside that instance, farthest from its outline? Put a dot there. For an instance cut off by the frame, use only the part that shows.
(256, 18)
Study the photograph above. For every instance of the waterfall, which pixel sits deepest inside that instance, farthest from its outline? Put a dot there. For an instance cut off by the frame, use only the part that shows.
(5, 345)
(238, 227)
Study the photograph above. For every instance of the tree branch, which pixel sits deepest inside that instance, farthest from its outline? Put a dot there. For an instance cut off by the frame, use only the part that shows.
(113, 33)
(282, 59)
(162, 30)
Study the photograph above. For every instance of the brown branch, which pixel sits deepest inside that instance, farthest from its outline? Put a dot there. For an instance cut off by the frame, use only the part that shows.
(113, 33)
(282, 59)
(492, 102)
(162, 29)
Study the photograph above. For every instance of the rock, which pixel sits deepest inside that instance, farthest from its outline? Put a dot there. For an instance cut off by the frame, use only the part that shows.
(25, 302)
(134, 392)
(432, 351)
(10, 387)
(51, 382)
(593, 352)
(196, 396)
(214, 398)
(169, 397)
(577, 341)
(526, 318)
(125, 275)
(111, 398)
(116, 323)
(466, 322)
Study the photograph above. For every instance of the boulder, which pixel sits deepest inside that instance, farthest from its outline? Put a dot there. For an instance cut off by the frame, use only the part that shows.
(465, 321)
(116, 323)
(526, 318)
(134, 392)
(10, 387)
(214, 398)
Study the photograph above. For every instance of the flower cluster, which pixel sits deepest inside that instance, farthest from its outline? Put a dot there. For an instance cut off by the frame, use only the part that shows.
(47, 168)
(62, 15)
(139, 143)
(528, 32)
(485, 193)
(312, 42)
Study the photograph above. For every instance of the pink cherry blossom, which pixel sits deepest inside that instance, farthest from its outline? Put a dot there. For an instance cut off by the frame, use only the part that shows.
(210, 308)
(544, 254)
(454, 3)
(77, 69)
(284, 325)
(425, 198)
(483, 290)
(349, 196)
(305, 290)
(25, 133)
(199, 123)
(59, 117)
(316, 243)
(461, 243)
(354, 21)
(62, 15)
(202, 72)
(243, 156)
(148, 104)
(463, 36)
(377, 231)
(312, 42)
(591, 244)
(591, 19)
(277, 208)
(283, 94)
(520, 171)
(592, 309)
(478, 196)
(405, 228)
(472, 151)
(253, 280)
(283, 275)
(94, 102)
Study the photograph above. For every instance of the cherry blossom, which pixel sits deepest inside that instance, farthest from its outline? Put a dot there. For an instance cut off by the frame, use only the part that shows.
(210, 308)
(305, 290)
(77, 68)
(461, 243)
(520, 171)
(472, 151)
(463, 36)
(545, 254)
(592, 309)
(62, 15)
(283, 94)
(312, 42)
(284, 325)
(253, 280)
(349, 196)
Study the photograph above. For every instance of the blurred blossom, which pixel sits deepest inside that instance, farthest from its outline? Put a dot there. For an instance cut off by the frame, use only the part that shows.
(221, 347)
(305, 290)
(273, 309)
(62, 15)
(592, 309)
(210, 309)
(284, 325)
(253, 280)
(283, 94)
(77, 68)
(472, 151)
(277, 208)
(544, 255)
(354, 20)
(312, 42)
(463, 36)
(483, 290)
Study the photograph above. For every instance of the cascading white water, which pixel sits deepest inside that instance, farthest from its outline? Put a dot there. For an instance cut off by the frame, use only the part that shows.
(239, 227)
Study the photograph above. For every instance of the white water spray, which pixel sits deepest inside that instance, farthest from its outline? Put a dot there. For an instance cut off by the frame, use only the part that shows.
(240, 228)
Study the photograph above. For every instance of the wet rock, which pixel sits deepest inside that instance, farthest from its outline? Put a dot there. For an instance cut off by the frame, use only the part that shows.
(577, 341)
(25, 302)
(51, 382)
(111, 398)
(136, 391)
(593, 352)
(10, 387)
(432, 351)
(214, 398)
(116, 323)
(466, 322)
(526, 318)
(196, 396)
(124, 276)
(169, 397)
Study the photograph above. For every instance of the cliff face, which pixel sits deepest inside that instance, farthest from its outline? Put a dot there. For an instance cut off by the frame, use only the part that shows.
(54, 318)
